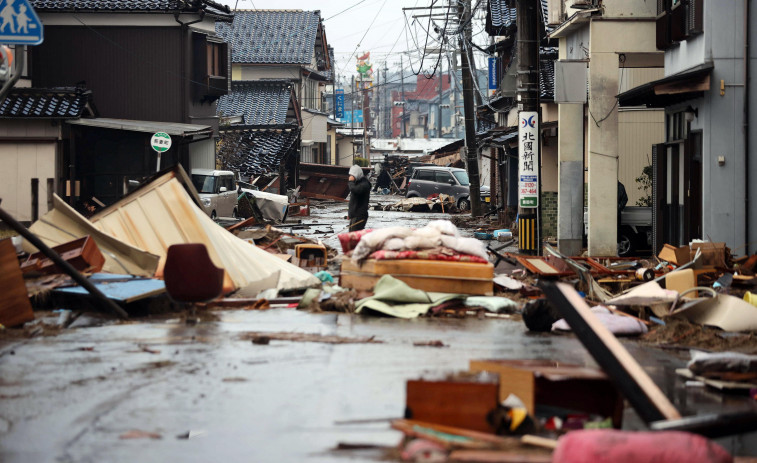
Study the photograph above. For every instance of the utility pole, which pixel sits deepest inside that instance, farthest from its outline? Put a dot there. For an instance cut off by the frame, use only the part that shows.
(464, 12)
(387, 133)
(529, 152)
(441, 89)
(352, 115)
(377, 91)
(402, 89)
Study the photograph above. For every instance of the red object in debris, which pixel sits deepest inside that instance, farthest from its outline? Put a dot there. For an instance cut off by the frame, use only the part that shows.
(611, 446)
(350, 240)
(190, 274)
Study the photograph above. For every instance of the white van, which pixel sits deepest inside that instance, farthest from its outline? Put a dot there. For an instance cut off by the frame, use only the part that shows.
(218, 191)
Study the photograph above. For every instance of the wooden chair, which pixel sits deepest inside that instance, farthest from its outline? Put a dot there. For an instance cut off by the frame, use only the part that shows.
(190, 275)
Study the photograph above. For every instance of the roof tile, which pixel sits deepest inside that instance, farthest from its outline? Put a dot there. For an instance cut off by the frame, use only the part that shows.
(260, 102)
(61, 103)
(256, 152)
(271, 36)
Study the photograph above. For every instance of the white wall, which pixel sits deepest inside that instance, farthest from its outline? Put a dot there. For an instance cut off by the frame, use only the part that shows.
(202, 154)
(20, 163)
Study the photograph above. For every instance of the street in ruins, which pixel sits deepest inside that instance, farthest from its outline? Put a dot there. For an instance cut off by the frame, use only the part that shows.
(490, 231)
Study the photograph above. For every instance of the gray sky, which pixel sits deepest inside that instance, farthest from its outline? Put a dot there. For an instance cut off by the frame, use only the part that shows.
(392, 33)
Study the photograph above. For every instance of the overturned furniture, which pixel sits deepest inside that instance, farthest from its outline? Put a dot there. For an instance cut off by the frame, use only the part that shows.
(427, 275)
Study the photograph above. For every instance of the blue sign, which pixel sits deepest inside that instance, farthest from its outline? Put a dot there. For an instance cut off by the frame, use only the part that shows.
(348, 116)
(19, 23)
(339, 105)
(493, 73)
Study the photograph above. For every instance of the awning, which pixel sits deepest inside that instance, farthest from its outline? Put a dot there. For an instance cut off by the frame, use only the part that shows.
(171, 128)
(683, 86)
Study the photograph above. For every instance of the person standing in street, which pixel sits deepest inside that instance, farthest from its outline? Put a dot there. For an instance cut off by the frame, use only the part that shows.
(360, 192)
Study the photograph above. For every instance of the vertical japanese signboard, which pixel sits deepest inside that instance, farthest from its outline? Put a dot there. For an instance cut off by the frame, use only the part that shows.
(528, 154)
(339, 109)
(493, 75)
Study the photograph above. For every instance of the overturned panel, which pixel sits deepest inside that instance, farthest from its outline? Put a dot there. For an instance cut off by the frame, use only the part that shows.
(63, 224)
(161, 214)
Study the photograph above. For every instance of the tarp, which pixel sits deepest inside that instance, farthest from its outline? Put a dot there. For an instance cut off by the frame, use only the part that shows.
(272, 206)
(63, 224)
(395, 298)
(161, 214)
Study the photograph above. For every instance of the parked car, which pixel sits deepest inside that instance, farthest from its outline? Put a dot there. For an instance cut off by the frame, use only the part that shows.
(635, 236)
(218, 191)
(452, 181)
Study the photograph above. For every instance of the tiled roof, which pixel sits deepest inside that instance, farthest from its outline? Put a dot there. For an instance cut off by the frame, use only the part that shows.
(329, 73)
(547, 78)
(271, 36)
(126, 6)
(60, 103)
(256, 152)
(547, 57)
(499, 17)
(260, 102)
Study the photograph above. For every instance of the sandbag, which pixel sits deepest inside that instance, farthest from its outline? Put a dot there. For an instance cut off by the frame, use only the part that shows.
(612, 446)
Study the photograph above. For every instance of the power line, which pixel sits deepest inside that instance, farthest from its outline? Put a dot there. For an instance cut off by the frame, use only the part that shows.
(362, 38)
(348, 8)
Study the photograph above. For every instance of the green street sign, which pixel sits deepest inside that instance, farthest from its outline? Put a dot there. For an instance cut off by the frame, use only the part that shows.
(160, 142)
(529, 202)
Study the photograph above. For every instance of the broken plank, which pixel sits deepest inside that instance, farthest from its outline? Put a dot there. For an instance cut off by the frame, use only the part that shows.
(646, 398)
(498, 456)
(15, 307)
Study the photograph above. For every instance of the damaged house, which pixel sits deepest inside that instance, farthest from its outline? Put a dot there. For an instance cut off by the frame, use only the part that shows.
(260, 132)
(146, 66)
(288, 45)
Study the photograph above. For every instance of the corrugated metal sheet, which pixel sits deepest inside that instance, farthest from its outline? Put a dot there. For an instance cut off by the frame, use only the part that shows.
(63, 224)
(637, 132)
(162, 213)
(202, 154)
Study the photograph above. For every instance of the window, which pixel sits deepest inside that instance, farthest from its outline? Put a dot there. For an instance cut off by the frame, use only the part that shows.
(462, 177)
(425, 175)
(215, 61)
(228, 182)
(210, 67)
(443, 177)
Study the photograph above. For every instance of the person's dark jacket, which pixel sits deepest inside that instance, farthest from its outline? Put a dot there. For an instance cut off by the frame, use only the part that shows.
(360, 193)
(622, 197)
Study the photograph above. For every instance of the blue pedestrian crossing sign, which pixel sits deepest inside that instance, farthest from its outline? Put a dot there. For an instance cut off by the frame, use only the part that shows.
(19, 23)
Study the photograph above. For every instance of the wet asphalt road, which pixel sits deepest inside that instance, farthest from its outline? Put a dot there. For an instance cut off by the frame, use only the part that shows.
(70, 397)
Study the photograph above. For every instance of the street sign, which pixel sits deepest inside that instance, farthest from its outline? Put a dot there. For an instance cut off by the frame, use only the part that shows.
(339, 110)
(160, 142)
(528, 159)
(19, 23)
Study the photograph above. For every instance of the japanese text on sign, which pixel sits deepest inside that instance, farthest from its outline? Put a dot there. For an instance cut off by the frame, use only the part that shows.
(528, 159)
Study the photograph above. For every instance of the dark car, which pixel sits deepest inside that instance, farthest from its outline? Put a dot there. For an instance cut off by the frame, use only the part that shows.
(452, 181)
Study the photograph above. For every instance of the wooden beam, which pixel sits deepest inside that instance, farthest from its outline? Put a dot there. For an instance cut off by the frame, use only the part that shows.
(646, 398)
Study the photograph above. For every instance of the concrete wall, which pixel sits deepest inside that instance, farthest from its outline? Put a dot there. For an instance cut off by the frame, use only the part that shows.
(629, 9)
(608, 40)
